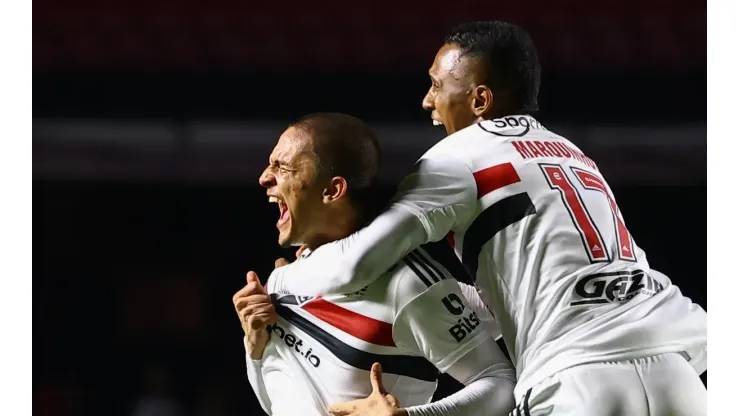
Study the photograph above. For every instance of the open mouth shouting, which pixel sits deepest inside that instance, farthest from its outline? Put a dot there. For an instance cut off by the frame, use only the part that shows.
(284, 212)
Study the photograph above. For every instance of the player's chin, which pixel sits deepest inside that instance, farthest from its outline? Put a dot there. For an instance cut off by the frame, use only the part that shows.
(284, 239)
(284, 242)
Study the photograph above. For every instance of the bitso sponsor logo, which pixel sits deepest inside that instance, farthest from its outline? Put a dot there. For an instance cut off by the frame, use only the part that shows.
(466, 324)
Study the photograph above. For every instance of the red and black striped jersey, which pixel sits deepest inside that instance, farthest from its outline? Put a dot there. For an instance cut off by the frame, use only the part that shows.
(415, 321)
(536, 224)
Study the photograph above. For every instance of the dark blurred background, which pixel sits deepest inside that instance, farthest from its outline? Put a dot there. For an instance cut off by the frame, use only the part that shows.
(153, 120)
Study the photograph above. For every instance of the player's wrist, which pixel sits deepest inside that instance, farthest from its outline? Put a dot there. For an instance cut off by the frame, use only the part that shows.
(256, 341)
(255, 351)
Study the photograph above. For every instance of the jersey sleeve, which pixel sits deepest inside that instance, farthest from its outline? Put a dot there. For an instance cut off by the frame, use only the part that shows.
(489, 379)
(441, 192)
(440, 325)
(438, 196)
(254, 375)
(470, 293)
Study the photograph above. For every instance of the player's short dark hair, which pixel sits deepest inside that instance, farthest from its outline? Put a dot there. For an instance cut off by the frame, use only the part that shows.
(512, 65)
(346, 146)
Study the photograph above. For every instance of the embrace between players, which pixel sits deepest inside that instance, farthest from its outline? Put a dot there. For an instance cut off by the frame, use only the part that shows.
(503, 219)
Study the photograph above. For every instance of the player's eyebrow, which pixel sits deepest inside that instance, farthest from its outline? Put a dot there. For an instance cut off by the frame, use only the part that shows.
(281, 163)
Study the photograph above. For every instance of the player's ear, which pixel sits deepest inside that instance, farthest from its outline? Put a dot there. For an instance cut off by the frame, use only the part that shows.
(336, 189)
(482, 100)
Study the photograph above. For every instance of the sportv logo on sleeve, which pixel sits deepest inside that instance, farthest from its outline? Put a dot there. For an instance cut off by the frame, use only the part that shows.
(614, 287)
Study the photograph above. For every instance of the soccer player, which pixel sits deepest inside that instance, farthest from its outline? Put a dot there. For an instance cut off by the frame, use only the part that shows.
(414, 320)
(590, 327)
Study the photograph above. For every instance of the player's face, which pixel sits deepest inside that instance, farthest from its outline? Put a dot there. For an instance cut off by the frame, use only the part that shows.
(451, 97)
(291, 183)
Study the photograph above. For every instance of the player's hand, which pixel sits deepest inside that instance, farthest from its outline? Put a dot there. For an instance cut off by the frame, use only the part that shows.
(378, 403)
(300, 250)
(253, 305)
(256, 312)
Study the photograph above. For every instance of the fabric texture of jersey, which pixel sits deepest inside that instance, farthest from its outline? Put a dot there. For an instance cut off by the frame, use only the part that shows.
(551, 252)
(414, 320)
(534, 221)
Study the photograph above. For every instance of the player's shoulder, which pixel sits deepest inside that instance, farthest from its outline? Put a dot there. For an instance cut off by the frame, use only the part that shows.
(415, 275)
(489, 138)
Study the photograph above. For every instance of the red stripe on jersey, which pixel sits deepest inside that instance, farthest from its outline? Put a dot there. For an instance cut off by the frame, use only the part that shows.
(495, 177)
(359, 326)
(451, 239)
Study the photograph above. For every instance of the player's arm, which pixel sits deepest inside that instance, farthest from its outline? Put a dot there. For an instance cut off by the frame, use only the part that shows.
(254, 374)
(441, 325)
(439, 195)
(489, 381)
(471, 296)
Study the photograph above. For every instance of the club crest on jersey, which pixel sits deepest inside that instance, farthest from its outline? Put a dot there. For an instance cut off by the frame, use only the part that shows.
(303, 299)
(291, 299)
(614, 287)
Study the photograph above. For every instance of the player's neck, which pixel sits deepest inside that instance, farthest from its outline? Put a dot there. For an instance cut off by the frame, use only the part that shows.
(501, 113)
(338, 227)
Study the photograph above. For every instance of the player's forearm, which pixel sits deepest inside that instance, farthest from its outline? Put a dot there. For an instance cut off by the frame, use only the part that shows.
(254, 375)
(256, 342)
(489, 380)
(487, 396)
(352, 263)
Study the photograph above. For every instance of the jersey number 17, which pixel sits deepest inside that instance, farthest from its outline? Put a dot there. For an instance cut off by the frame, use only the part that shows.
(590, 235)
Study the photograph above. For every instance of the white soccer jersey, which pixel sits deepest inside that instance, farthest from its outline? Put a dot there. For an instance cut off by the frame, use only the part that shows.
(414, 320)
(534, 220)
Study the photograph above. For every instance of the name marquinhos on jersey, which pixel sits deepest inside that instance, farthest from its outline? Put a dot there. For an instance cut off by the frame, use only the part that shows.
(294, 342)
(530, 149)
(614, 287)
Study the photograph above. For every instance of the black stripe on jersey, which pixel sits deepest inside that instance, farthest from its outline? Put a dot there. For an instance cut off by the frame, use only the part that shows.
(492, 220)
(286, 299)
(427, 265)
(526, 403)
(414, 367)
(589, 302)
(502, 346)
(417, 272)
(443, 254)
